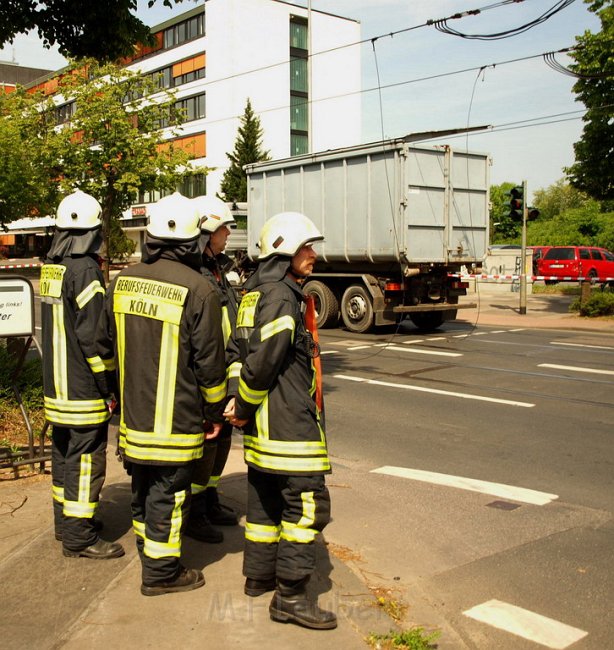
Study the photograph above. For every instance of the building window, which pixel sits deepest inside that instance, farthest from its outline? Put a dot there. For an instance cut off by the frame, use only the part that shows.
(298, 144)
(298, 33)
(184, 31)
(65, 112)
(193, 108)
(298, 113)
(298, 74)
(190, 186)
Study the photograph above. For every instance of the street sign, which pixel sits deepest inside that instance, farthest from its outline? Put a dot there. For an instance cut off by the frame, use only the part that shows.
(16, 307)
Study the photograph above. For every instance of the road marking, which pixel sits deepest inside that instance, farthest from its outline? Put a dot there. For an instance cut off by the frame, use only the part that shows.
(526, 624)
(581, 345)
(437, 338)
(502, 490)
(329, 352)
(359, 347)
(415, 341)
(518, 329)
(460, 336)
(576, 369)
(435, 391)
(395, 348)
(498, 331)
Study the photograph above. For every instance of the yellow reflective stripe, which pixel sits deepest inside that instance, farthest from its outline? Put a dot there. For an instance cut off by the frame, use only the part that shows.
(213, 481)
(234, 370)
(168, 439)
(161, 549)
(197, 488)
(177, 518)
(75, 405)
(147, 307)
(58, 493)
(120, 326)
(261, 533)
(167, 376)
(279, 463)
(95, 364)
(76, 419)
(60, 363)
(250, 395)
(286, 447)
(214, 394)
(79, 509)
(226, 326)
(292, 533)
(262, 421)
(309, 510)
(161, 454)
(85, 477)
(109, 364)
(139, 528)
(277, 326)
(88, 293)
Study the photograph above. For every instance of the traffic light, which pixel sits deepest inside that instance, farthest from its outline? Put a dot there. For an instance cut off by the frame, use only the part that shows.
(516, 203)
(532, 213)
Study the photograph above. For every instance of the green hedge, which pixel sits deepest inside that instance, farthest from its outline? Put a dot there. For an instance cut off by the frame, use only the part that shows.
(600, 303)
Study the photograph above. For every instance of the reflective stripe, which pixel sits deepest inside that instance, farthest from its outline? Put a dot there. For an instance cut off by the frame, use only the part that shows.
(250, 395)
(167, 375)
(293, 533)
(285, 464)
(286, 447)
(79, 509)
(109, 364)
(139, 528)
(234, 370)
(58, 493)
(214, 394)
(277, 326)
(88, 293)
(161, 549)
(95, 364)
(85, 477)
(261, 533)
(76, 419)
(226, 326)
(262, 421)
(197, 488)
(75, 405)
(159, 440)
(213, 481)
(120, 326)
(177, 519)
(159, 454)
(60, 364)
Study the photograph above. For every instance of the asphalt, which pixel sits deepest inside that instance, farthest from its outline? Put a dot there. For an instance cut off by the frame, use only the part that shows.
(48, 601)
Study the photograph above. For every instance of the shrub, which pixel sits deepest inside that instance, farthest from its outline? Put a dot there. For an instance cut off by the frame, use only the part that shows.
(600, 303)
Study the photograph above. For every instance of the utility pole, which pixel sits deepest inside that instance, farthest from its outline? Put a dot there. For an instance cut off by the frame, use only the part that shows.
(523, 252)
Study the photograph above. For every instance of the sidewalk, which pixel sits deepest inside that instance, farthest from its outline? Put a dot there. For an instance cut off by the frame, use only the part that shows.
(48, 601)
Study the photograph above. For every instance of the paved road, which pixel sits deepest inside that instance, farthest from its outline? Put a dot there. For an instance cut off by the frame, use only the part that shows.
(529, 409)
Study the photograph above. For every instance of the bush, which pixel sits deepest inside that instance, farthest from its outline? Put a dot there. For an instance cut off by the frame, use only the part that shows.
(600, 303)
(29, 382)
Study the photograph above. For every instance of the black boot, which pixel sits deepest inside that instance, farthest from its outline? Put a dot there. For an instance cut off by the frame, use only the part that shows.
(291, 605)
(217, 513)
(187, 580)
(200, 528)
(257, 586)
(101, 550)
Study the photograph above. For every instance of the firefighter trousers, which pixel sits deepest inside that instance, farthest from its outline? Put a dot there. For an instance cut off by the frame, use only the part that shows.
(284, 515)
(160, 506)
(78, 466)
(209, 468)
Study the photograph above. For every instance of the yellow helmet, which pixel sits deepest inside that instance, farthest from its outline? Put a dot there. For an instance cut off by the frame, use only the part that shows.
(213, 213)
(174, 217)
(78, 211)
(285, 234)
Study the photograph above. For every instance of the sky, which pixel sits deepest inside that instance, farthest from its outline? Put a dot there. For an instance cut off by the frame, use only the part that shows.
(495, 88)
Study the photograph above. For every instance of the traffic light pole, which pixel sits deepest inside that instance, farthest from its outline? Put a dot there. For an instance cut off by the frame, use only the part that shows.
(523, 252)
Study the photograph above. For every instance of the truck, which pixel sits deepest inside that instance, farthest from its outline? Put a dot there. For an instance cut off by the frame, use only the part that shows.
(400, 222)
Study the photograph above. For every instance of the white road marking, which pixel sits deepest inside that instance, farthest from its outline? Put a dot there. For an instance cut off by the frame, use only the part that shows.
(518, 329)
(502, 490)
(395, 348)
(581, 345)
(415, 341)
(435, 391)
(526, 624)
(460, 336)
(329, 352)
(359, 347)
(498, 331)
(576, 369)
(479, 333)
(437, 338)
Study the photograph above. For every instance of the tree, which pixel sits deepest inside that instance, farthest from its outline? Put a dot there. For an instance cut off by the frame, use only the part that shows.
(24, 182)
(558, 198)
(103, 30)
(113, 146)
(502, 227)
(247, 149)
(594, 152)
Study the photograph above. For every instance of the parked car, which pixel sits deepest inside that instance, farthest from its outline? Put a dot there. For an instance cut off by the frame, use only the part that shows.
(574, 262)
(538, 254)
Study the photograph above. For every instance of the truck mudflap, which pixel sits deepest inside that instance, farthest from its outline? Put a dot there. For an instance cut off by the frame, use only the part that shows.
(439, 306)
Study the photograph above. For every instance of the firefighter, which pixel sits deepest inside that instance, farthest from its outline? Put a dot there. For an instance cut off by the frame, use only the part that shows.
(273, 364)
(206, 508)
(75, 378)
(162, 322)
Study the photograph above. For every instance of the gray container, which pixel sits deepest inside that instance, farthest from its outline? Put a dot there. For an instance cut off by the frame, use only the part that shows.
(380, 203)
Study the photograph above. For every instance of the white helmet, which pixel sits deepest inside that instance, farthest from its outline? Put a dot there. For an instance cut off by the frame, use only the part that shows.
(174, 217)
(285, 234)
(213, 213)
(78, 211)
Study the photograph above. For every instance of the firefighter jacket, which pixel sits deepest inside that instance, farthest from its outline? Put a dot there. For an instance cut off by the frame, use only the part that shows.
(74, 376)
(162, 322)
(273, 377)
(213, 270)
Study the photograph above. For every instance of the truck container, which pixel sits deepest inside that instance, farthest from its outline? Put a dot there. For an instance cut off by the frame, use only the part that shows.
(399, 221)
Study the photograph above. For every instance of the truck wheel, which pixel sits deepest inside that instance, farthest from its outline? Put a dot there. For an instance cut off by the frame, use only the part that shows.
(357, 309)
(326, 304)
(427, 320)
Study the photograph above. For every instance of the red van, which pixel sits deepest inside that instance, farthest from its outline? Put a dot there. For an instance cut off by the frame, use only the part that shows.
(575, 262)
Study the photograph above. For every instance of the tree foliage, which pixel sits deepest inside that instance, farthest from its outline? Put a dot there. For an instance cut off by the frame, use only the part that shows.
(102, 30)
(503, 229)
(247, 149)
(594, 152)
(558, 198)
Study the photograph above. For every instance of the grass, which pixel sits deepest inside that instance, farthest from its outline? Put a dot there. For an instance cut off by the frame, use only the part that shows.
(556, 289)
(415, 639)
